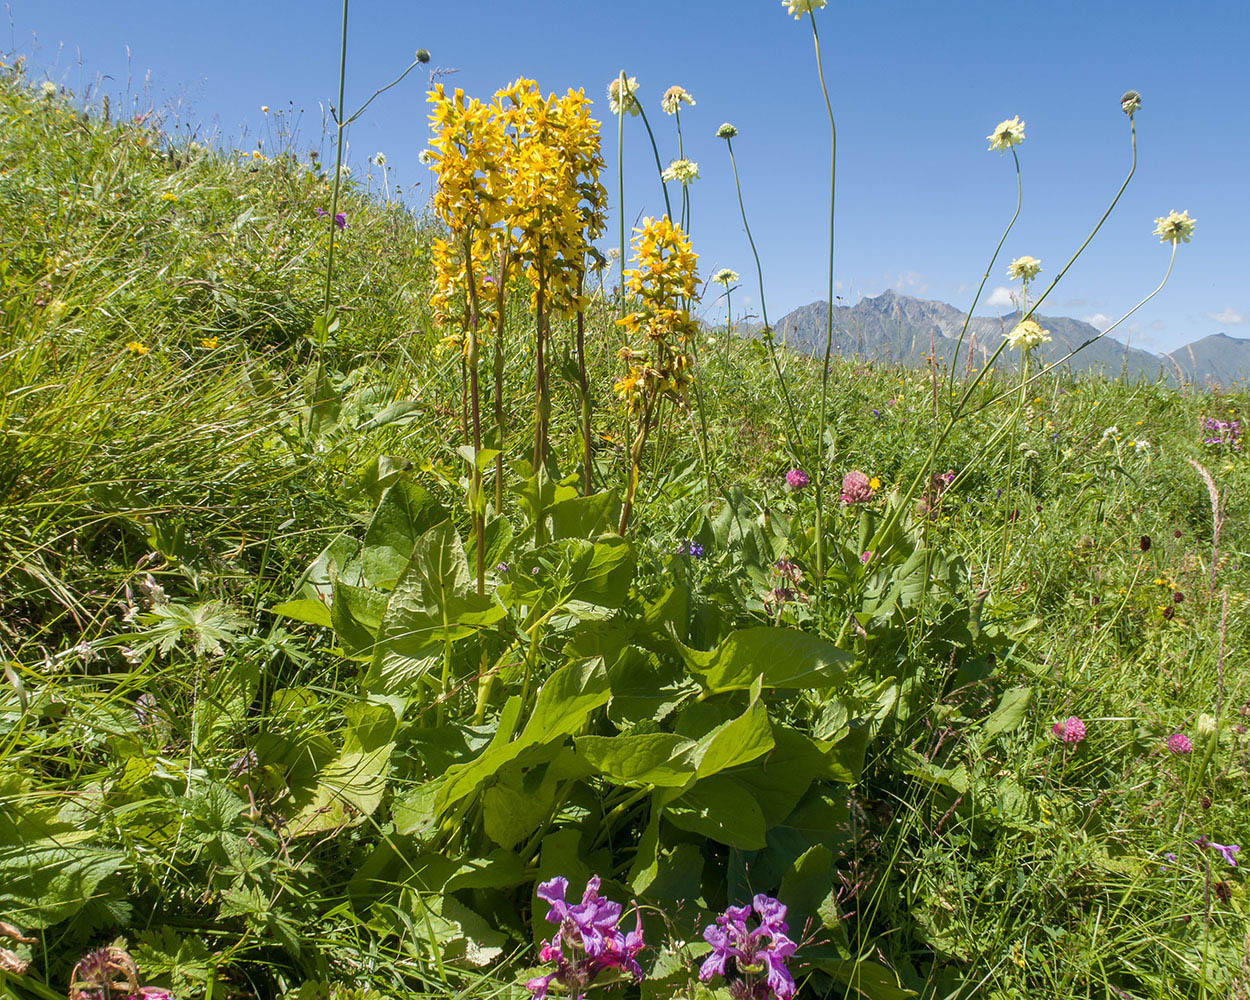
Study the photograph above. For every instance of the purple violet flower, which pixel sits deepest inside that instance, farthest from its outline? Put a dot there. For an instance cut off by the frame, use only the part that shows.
(587, 939)
(751, 954)
(1228, 851)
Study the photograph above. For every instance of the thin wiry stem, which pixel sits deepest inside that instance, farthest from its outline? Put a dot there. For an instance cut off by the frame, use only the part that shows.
(658, 165)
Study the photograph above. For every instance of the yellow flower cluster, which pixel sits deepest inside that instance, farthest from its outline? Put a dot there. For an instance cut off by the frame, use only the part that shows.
(517, 180)
(664, 279)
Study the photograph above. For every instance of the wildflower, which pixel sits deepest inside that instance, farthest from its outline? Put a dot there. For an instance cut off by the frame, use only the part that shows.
(629, 104)
(788, 570)
(1143, 543)
(421, 56)
(674, 98)
(725, 276)
(1177, 597)
(587, 939)
(1174, 227)
(1130, 101)
(47, 90)
(501, 568)
(726, 131)
(245, 764)
(1069, 730)
(683, 170)
(1024, 268)
(264, 109)
(208, 343)
(340, 218)
(1008, 133)
(1027, 335)
(856, 488)
(1112, 432)
(750, 954)
(691, 548)
(168, 196)
(865, 557)
(379, 159)
(1141, 447)
(1179, 744)
(427, 156)
(874, 484)
(137, 347)
(796, 479)
(1228, 852)
(800, 7)
(1206, 725)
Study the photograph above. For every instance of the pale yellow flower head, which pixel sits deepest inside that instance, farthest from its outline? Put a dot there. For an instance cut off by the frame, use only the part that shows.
(1130, 102)
(800, 7)
(1008, 133)
(1175, 227)
(631, 105)
(47, 90)
(683, 171)
(674, 98)
(1027, 335)
(726, 131)
(725, 276)
(1024, 268)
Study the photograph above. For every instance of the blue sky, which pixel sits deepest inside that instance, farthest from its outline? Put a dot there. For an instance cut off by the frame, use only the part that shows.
(915, 85)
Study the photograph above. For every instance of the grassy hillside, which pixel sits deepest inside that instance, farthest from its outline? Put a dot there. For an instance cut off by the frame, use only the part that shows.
(250, 696)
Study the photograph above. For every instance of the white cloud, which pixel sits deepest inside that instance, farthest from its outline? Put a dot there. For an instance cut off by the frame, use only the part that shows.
(1099, 320)
(1000, 298)
(911, 280)
(1228, 317)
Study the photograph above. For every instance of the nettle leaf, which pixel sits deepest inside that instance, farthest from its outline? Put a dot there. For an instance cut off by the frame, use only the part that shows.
(781, 657)
(405, 512)
(656, 759)
(565, 700)
(722, 809)
(516, 803)
(434, 602)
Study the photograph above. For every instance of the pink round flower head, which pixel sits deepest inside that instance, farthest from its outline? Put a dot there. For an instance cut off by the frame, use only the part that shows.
(1179, 743)
(796, 479)
(856, 488)
(1070, 730)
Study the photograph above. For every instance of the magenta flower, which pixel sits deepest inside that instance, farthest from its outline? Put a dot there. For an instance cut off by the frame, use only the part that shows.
(865, 557)
(1179, 744)
(796, 479)
(856, 488)
(340, 219)
(759, 952)
(1229, 852)
(589, 932)
(1070, 730)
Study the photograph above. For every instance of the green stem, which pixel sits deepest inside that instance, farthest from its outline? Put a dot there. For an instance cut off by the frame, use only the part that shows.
(620, 176)
(658, 165)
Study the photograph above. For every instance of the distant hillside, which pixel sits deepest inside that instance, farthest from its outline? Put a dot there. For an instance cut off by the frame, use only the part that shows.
(901, 329)
(1218, 358)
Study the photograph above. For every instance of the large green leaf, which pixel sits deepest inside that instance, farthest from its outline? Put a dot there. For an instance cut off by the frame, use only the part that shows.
(563, 703)
(782, 657)
(722, 809)
(1010, 711)
(434, 603)
(736, 741)
(656, 759)
(356, 614)
(404, 514)
(780, 777)
(585, 517)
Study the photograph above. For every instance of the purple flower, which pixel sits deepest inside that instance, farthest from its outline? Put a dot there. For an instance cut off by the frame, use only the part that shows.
(1228, 851)
(865, 557)
(1179, 743)
(589, 932)
(1069, 730)
(796, 479)
(855, 488)
(761, 951)
(501, 568)
(340, 218)
(689, 547)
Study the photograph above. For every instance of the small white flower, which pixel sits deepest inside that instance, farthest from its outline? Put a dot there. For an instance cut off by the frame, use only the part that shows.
(1112, 432)
(1175, 227)
(674, 98)
(1141, 447)
(631, 105)
(1025, 268)
(725, 276)
(800, 7)
(47, 90)
(1008, 133)
(683, 170)
(427, 156)
(379, 159)
(726, 131)
(1027, 335)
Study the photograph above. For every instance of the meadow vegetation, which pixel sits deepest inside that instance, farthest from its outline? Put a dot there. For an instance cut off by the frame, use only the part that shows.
(351, 627)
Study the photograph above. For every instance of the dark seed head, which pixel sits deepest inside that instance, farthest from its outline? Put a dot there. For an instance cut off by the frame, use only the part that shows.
(1144, 543)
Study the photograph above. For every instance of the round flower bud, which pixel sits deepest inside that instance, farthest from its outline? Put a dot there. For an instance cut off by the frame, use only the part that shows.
(1130, 102)
(726, 131)
(422, 56)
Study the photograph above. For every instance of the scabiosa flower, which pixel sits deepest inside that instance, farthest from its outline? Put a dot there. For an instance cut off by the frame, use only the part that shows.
(726, 131)
(1069, 730)
(674, 98)
(1174, 227)
(1027, 335)
(587, 940)
(1130, 102)
(629, 104)
(683, 170)
(725, 276)
(427, 156)
(800, 7)
(1006, 134)
(856, 488)
(47, 90)
(796, 479)
(1024, 268)
(1179, 744)
(756, 957)
(379, 159)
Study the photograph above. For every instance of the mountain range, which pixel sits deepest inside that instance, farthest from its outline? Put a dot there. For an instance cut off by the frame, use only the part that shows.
(904, 330)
